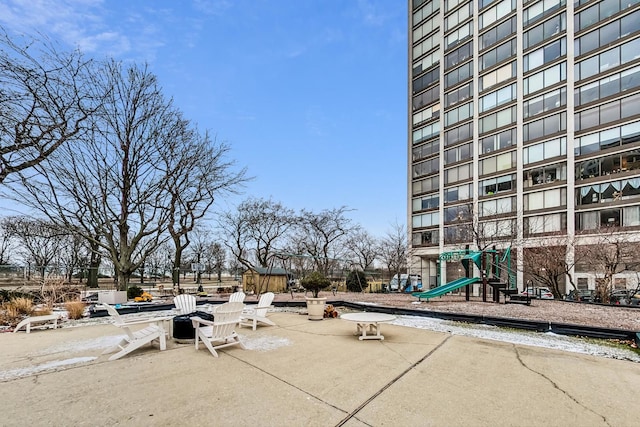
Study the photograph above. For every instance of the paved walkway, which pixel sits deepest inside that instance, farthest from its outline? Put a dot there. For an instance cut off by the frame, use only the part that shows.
(304, 373)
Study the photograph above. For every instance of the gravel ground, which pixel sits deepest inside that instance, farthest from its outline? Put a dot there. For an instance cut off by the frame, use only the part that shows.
(614, 317)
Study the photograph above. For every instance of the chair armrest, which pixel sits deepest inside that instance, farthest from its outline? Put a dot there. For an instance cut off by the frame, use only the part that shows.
(145, 321)
(196, 321)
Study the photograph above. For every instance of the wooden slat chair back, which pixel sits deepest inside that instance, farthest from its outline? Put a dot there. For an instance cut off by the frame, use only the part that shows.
(185, 303)
(221, 332)
(154, 331)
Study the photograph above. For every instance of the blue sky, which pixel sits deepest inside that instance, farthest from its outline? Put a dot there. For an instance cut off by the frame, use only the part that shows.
(310, 94)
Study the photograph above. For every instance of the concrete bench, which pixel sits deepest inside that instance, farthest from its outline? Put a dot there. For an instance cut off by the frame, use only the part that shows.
(38, 320)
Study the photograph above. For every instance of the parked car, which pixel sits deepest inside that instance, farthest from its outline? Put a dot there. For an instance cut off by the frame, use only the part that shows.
(619, 297)
(541, 293)
(583, 295)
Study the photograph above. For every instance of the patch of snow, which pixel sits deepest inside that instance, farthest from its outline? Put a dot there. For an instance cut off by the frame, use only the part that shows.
(536, 339)
(78, 346)
(12, 374)
(264, 343)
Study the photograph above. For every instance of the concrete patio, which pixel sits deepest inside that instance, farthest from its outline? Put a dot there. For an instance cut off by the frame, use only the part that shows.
(304, 373)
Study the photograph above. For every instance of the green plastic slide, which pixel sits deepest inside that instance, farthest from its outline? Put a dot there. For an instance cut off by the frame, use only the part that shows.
(446, 288)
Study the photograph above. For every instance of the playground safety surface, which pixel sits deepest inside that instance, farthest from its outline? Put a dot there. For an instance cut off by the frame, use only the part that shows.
(310, 373)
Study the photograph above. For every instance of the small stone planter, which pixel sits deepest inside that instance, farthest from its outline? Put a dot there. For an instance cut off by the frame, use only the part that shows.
(315, 308)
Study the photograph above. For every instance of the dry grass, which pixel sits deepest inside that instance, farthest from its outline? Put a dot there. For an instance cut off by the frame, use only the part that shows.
(75, 309)
(16, 309)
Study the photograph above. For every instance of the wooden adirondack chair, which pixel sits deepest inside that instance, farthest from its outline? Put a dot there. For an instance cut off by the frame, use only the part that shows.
(134, 339)
(185, 304)
(237, 297)
(254, 314)
(221, 332)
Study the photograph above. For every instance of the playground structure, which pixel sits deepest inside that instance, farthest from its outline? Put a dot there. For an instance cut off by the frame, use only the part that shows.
(495, 268)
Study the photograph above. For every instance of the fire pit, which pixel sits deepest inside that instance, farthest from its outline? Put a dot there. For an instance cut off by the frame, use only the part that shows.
(183, 328)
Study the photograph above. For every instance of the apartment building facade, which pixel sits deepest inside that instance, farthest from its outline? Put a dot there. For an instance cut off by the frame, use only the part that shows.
(524, 126)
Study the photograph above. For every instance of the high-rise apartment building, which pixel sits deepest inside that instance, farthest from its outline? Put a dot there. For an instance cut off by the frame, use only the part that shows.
(524, 126)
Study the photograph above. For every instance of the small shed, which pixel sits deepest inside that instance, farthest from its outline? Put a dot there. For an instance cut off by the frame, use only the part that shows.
(265, 280)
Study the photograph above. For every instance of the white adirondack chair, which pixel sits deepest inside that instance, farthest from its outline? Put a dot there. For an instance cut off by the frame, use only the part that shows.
(134, 339)
(237, 297)
(185, 304)
(252, 315)
(221, 332)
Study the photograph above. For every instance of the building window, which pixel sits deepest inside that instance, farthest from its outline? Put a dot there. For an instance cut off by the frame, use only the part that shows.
(496, 206)
(425, 11)
(499, 75)
(495, 13)
(497, 120)
(458, 154)
(461, 94)
(460, 15)
(459, 55)
(544, 150)
(543, 224)
(426, 150)
(545, 102)
(545, 175)
(499, 97)
(458, 134)
(459, 173)
(458, 36)
(546, 126)
(497, 163)
(498, 141)
(540, 9)
(426, 133)
(501, 184)
(545, 78)
(426, 115)
(457, 194)
(498, 33)
(426, 202)
(544, 31)
(426, 167)
(545, 199)
(425, 220)
(458, 75)
(609, 86)
(494, 56)
(613, 57)
(426, 238)
(609, 112)
(425, 185)
(609, 138)
(545, 54)
(608, 33)
(458, 114)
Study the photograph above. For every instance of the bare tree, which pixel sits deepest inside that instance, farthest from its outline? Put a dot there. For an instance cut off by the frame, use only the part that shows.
(215, 257)
(112, 188)
(322, 236)
(205, 174)
(6, 241)
(394, 250)
(363, 248)
(40, 241)
(45, 101)
(256, 231)
(609, 255)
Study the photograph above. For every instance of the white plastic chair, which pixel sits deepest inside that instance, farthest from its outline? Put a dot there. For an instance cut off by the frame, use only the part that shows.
(254, 314)
(221, 332)
(185, 304)
(154, 331)
(237, 297)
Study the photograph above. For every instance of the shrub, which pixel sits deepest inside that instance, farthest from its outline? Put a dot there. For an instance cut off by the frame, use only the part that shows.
(356, 281)
(134, 291)
(315, 282)
(75, 309)
(21, 306)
